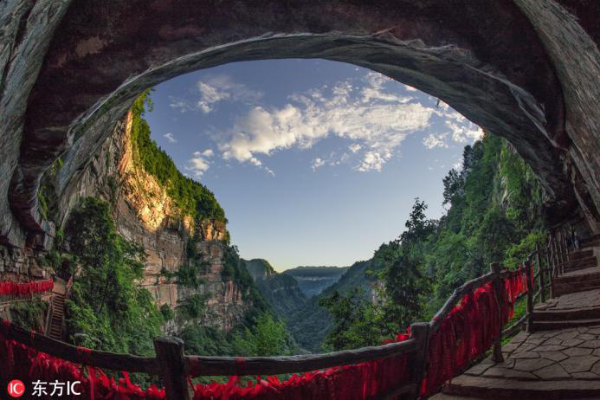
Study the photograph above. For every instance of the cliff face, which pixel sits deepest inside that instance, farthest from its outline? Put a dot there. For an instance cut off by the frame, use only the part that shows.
(71, 70)
(145, 214)
(280, 291)
(259, 268)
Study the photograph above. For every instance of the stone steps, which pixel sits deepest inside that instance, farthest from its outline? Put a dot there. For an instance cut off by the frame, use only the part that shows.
(555, 325)
(578, 281)
(444, 396)
(56, 324)
(581, 253)
(512, 389)
(576, 286)
(565, 315)
(590, 242)
(581, 263)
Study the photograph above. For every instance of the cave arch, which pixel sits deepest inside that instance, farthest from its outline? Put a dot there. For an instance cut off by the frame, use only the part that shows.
(522, 69)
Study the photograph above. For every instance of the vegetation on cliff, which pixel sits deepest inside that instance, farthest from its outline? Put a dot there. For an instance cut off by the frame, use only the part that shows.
(191, 197)
(281, 291)
(494, 214)
(107, 310)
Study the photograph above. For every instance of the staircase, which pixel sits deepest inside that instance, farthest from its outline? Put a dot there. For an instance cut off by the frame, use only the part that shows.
(576, 291)
(557, 361)
(582, 271)
(56, 312)
(55, 330)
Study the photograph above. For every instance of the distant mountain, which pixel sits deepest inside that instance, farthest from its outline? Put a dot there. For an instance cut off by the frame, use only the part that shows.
(281, 291)
(313, 280)
(310, 324)
(259, 268)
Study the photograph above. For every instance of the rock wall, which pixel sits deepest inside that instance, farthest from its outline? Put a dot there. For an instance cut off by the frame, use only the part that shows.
(73, 68)
(144, 213)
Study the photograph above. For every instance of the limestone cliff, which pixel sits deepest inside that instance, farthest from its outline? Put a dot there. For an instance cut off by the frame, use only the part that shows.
(146, 214)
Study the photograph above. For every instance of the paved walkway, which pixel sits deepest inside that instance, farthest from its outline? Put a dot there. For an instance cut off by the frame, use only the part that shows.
(581, 272)
(587, 299)
(550, 355)
(560, 360)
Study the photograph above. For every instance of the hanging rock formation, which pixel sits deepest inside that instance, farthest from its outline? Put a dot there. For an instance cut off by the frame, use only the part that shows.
(526, 70)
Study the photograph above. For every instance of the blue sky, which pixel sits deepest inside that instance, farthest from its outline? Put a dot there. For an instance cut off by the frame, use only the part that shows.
(315, 162)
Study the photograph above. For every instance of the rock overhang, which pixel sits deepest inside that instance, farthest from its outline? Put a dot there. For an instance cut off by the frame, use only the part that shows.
(490, 60)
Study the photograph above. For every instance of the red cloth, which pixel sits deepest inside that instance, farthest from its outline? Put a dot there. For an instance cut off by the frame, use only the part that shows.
(350, 382)
(353, 382)
(29, 365)
(466, 333)
(8, 288)
(463, 335)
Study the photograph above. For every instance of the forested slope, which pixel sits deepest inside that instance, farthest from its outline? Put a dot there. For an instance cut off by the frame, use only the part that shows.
(494, 214)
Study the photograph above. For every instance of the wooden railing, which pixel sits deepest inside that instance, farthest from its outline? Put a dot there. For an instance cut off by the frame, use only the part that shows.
(174, 367)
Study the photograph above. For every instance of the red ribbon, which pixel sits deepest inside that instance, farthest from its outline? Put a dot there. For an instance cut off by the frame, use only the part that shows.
(9, 288)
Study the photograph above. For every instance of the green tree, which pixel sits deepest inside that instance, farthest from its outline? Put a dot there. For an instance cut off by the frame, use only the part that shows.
(356, 321)
(268, 337)
(107, 310)
(404, 278)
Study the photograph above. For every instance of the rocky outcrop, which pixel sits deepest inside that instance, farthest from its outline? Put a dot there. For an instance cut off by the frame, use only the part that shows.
(145, 214)
(279, 290)
(259, 268)
(72, 70)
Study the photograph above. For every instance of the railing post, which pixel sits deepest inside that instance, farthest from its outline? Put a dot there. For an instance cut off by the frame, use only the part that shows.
(169, 352)
(496, 269)
(555, 256)
(541, 271)
(563, 256)
(420, 332)
(529, 297)
(561, 249)
(552, 270)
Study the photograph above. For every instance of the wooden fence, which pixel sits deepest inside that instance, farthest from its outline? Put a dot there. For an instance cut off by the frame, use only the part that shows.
(174, 367)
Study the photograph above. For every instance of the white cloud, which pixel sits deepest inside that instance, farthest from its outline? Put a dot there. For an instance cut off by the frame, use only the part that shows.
(317, 163)
(374, 119)
(179, 104)
(432, 141)
(170, 137)
(198, 164)
(468, 132)
(220, 88)
(354, 147)
(410, 88)
(380, 123)
(208, 153)
(255, 161)
(372, 161)
(269, 171)
(460, 128)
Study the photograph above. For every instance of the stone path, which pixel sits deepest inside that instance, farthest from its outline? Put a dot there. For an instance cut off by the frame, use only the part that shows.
(549, 365)
(587, 299)
(570, 354)
(561, 359)
(581, 272)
